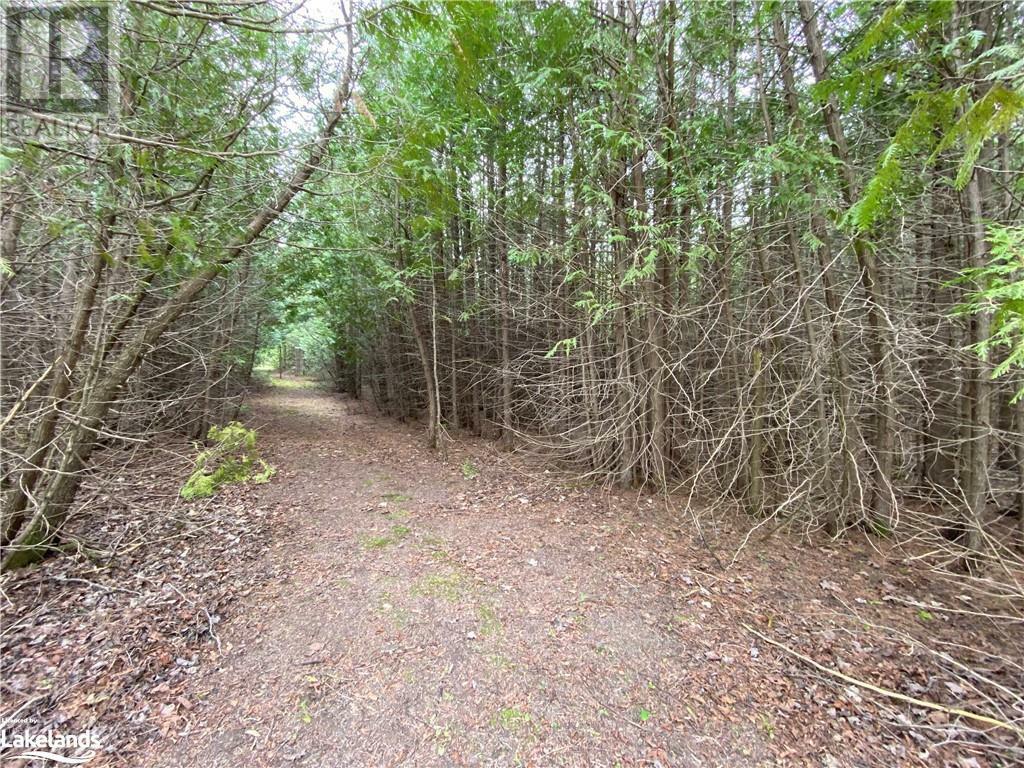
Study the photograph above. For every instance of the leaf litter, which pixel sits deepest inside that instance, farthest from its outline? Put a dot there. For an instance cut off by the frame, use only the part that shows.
(251, 628)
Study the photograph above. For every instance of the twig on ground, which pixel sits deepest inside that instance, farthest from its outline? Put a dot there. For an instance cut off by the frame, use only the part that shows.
(885, 691)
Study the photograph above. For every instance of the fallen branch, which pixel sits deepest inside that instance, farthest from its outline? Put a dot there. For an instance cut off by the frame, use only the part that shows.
(886, 692)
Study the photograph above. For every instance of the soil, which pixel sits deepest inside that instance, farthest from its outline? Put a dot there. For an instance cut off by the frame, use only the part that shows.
(410, 608)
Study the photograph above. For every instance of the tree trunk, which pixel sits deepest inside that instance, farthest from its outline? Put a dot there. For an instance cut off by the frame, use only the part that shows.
(976, 481)
(881, 365)
(755, 470)
(60, 387)
(504, 306)
(433, 417)
(836, 515)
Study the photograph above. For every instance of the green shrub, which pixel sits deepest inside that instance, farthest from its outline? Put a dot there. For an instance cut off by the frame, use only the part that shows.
(233, 458)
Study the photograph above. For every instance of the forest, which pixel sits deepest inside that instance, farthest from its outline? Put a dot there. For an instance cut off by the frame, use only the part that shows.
(721, 298)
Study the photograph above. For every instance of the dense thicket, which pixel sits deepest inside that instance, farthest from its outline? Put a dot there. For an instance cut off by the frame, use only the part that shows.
(716, 247)
(129, 246)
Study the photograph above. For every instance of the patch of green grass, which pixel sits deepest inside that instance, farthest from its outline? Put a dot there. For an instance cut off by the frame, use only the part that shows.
(643, 715)
(498, 661)
(438, 547)
(397, 533)
(396, 497)
(512, 719)
(290, 383)
(447, 586)
(469, 471)
(489, 623)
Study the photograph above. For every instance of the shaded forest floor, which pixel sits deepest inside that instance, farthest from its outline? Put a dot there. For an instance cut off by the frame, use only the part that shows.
(379, 605)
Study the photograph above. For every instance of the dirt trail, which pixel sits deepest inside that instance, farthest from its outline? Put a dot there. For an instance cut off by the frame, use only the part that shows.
(427, 618)
(421, 615)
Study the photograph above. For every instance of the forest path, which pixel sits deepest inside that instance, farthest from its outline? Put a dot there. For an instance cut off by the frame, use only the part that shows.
(420, 615)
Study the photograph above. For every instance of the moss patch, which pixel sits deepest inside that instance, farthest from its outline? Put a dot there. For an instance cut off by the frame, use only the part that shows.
(489, 622)
(512, 719)
(395, 535)
(233, 458)
(447, 586)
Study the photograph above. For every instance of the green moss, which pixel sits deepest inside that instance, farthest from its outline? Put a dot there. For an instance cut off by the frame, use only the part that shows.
(450, 586)
(398, 532)
(489, 622)
(512, 719)
(233, 458)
